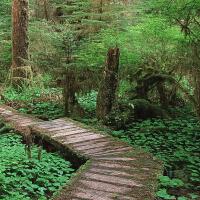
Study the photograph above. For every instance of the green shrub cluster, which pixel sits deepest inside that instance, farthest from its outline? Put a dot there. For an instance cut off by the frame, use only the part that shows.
(88, 102)
(43, 102)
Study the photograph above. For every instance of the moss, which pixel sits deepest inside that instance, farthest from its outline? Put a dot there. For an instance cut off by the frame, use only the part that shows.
(70, 186)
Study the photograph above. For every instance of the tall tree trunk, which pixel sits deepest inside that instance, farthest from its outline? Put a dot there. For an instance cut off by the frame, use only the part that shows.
(101, 9)
(19, 38)
(69, 92)
(197, 90)
(20, 32)
(107, 90)
(196, 74)
(46, 10)
(71, 104)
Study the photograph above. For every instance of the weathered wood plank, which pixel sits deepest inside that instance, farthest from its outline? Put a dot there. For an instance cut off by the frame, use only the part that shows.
(117, 171)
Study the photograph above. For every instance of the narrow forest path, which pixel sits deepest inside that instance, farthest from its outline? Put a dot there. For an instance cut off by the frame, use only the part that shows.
(114, 170)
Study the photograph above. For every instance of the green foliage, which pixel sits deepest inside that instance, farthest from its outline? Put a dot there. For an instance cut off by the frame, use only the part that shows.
(146, 43)
(148, 35)
(175, 142)
(162, 193)
(193, 196)
(44, 110)
(5, 39)
(187, 10)
(5, 19)
(88, 102)
(25, 179)
(167, 182)
(26, 94)
(47, 47)
(40, 101)
(185, 16)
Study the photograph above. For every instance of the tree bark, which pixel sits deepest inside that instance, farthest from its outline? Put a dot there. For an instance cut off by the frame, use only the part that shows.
(69, 92)
(20, 42)
(46, 10)
(196, 74)
(20, 32)
(107, 90)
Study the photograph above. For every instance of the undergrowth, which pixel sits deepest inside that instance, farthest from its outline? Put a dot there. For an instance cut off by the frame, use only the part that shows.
(176, 143)
(45, 103)
(27, 179)
(88, 103)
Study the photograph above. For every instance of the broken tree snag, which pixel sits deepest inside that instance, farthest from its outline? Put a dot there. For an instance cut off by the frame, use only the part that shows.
(107, 90)
(20, 42)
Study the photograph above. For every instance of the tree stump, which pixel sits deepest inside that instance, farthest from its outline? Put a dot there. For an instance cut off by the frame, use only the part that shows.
(107, 90)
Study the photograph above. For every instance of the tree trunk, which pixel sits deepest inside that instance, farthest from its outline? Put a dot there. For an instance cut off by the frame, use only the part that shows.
(69, 93)
(196, 73)
(163, 96)
(46, 10)
(107, 90)
(20, 32)
(42, 9)
(71, 104)
(101, 9)
(19, 38)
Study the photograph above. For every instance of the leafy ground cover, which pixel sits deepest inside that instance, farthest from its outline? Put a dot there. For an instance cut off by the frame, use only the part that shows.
(46, 103)
(27, 179)
(174, 140)
(176, 143)
(43, 102)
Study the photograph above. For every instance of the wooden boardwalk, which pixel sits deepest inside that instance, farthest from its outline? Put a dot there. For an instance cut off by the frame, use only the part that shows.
(114, 170)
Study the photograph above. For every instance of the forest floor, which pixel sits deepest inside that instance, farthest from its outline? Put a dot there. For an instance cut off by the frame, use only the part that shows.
(175, 141)
(25, 178)
(116, 170)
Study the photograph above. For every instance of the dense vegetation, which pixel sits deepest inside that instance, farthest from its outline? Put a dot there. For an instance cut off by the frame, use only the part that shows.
(155, 102)
(175, 142)
(23, 178)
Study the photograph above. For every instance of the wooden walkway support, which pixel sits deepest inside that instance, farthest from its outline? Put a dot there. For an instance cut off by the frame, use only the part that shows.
(114, 170)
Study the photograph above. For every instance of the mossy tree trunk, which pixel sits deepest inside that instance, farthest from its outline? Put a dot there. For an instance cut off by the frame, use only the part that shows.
(197, 91)
(19, 40)
(107, 90)
(196, 74)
